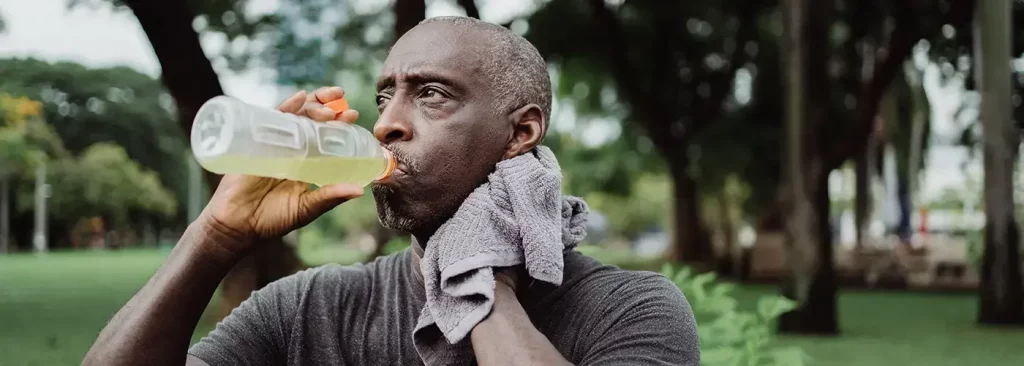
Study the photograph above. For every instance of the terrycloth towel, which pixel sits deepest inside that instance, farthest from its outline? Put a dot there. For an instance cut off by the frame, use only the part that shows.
(518, 217)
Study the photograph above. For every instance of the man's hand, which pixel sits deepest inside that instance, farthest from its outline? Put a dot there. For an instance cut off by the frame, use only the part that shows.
(506, 336)
(248, 208)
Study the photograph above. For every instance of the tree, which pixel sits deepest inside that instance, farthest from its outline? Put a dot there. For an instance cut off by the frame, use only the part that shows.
(19, 154)
(990, 39)
(120, 105)
(103, 182)
(802, 232)
(1002, 291)
(840, 119)
(675, 80)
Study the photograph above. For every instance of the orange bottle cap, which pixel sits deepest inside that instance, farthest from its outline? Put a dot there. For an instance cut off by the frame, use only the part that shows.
(391, 165)
(338, 106)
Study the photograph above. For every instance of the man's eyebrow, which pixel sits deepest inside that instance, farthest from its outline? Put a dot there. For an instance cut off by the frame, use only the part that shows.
(385, 81)
(418, 77)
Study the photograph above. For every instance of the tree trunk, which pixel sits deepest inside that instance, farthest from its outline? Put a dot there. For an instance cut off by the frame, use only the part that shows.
(812, 281)
(1001, 291)
(5, 213)
(191, 80)
(727, 262)
(816, 312)
(408, 13)
(862, 199)
(919, 120)
(691, 242)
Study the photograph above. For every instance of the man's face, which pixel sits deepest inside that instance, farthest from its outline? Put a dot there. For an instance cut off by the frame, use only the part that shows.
(437, 116)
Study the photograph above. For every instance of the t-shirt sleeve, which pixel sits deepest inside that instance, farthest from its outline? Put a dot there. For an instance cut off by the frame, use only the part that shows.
(645, 323)
(256, 332)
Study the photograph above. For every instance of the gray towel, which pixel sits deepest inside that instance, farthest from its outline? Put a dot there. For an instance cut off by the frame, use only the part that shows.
(518, 217)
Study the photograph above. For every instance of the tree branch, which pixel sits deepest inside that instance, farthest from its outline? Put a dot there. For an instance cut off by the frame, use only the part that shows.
(185, 70)
(909, 30)
(471, 10)
(610, 29)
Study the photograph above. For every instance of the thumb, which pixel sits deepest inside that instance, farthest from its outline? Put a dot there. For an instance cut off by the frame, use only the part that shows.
(323, 199)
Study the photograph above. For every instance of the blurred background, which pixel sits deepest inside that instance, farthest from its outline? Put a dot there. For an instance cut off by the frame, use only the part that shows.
(829, 151)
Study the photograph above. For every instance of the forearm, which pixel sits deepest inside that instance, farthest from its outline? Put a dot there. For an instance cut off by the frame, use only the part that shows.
(507, 337)
(156, 325)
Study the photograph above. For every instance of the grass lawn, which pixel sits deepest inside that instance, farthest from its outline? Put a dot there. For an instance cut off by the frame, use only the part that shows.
(902, 328)
(52, 307)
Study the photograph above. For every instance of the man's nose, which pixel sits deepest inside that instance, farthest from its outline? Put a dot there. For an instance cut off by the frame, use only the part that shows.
(393, 126)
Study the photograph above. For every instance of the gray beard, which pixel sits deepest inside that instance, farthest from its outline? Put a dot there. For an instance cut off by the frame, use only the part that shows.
(388, 215)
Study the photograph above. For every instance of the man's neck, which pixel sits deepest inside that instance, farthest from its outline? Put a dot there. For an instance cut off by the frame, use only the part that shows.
(420, 241)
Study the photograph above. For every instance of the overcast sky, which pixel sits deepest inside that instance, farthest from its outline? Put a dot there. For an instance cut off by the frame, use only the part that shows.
(46, 29)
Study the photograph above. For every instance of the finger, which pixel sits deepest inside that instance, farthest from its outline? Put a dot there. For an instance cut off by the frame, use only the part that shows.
(323, 199)
(326, 94)
(348, 116)
(318, 112)
(294, 103)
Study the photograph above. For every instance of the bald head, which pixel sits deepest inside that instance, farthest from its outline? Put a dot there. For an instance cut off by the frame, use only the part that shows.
(515, 69)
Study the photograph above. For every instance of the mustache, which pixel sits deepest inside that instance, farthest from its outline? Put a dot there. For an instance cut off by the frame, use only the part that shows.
(405, 163)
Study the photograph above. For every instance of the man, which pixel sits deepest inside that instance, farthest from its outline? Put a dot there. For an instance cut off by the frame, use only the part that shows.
(455, 96)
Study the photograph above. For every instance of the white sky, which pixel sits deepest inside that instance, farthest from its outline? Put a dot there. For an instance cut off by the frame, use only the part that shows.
(102, 37)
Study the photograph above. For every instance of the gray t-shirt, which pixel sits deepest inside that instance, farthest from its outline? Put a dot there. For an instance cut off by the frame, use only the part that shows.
(365, 314)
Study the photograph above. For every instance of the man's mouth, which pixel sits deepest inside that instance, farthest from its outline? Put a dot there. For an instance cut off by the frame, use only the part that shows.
(395, 175)
(400, 172)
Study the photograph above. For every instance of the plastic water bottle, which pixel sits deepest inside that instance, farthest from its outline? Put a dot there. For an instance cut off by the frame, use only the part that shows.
(232, 137)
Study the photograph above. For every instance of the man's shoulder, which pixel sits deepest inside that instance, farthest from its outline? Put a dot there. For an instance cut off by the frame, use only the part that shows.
(334, 277)
(600, 284)
(625, 310)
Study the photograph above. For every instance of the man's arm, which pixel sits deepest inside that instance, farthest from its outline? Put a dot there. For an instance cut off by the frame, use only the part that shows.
(154, 328)
(507, 337)
(156, 325)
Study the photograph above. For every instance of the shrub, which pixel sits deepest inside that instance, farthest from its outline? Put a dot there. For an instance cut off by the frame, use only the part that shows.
(728, 335)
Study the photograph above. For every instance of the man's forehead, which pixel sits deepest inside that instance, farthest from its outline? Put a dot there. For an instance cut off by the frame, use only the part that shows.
(436, 48)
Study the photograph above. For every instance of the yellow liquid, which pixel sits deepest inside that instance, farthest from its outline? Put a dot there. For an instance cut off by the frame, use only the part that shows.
(319, 170)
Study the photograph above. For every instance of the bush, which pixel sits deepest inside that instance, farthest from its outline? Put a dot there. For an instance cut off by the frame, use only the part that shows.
(729, 336)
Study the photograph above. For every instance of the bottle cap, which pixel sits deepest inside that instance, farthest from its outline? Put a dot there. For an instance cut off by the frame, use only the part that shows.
(391, 165)
(338, 106)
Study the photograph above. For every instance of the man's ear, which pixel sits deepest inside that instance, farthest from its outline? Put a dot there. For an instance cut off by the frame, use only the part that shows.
(528, 128)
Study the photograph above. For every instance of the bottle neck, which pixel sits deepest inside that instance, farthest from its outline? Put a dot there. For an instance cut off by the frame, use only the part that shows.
(391, 163)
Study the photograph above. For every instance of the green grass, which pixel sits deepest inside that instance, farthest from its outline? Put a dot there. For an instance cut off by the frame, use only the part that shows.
(52, 307)
(903, 328)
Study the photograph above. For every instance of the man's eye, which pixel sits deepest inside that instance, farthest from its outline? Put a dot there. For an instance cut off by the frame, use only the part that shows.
(431, 93)
(381, 99)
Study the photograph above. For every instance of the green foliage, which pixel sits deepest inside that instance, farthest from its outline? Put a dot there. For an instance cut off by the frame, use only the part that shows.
(109, 105)
(104, 182)
(355, 216)
(611, 168)
(397, 244)
(648, 206)
(27, 141)
(728, 335)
